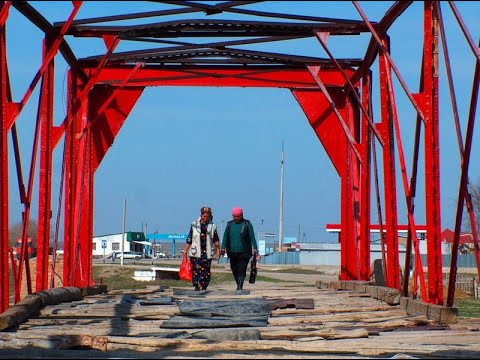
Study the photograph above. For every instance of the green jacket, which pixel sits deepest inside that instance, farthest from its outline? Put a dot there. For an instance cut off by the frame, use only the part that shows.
(239, 238)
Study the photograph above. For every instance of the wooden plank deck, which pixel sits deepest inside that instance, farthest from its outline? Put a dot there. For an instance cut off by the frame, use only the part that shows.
(303, 321)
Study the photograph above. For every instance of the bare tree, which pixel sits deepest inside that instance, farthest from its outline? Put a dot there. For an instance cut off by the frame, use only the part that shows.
(474, 190)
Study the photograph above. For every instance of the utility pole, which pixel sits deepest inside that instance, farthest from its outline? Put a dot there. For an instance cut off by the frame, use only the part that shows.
(261, 232)
(123, 231)
(280, 229)
(221, 232)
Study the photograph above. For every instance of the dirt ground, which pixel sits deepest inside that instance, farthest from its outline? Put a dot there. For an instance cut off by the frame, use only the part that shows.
(57, 270)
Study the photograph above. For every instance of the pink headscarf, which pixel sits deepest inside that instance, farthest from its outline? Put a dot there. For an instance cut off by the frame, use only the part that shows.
(237, 211)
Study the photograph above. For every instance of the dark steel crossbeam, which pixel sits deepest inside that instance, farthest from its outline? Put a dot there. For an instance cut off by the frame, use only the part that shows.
(212, 8)
(372, 51)
(40, 22)
(229, 55)
(182, 45)
(132, 16)
(220, 28)
(147, 14)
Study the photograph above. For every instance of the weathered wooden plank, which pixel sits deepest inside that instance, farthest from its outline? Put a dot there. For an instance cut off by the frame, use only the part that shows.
(188, 322)
(293, 303)
(337, 310)
(321, 318)
(327, 334)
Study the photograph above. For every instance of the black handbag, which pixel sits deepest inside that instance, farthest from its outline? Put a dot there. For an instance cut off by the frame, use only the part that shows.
(253, 270)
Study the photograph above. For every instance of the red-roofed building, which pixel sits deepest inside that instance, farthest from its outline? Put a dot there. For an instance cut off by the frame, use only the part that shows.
(465, 243)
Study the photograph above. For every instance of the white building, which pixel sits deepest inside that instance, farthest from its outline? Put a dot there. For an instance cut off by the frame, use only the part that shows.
(132, 242)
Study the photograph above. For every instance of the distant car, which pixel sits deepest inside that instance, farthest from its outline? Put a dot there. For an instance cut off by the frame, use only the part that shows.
(130, 255)
(161, 255)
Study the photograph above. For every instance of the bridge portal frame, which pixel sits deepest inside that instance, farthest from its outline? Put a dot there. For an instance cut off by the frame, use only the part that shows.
(335, 95)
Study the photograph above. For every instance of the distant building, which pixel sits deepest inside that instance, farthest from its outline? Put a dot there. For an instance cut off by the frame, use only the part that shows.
(107, 244)
(466, 244)
(402, 230)
(329, 254)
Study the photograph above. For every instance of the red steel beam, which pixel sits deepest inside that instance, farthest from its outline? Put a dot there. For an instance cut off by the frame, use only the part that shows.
(87, 144)
(251, 76)
(412, 230)
(314, 70)
(4, 281)
(350, 86)
(43, 104)
(79, 101)
(390, 187)
(4, 12)
(386, 53)
(45, 179)
(365, 182)
(69, 185)
(432, 156)
(453, 98)
(463, 183)
(335, 120)
(53, 49)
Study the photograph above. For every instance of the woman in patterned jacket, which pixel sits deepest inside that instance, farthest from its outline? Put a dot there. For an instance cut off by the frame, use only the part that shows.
(203, 245)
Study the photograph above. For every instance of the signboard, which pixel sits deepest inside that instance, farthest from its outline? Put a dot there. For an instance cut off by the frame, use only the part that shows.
(271, 235)
(261, 247)
(173, 236)
(104, 244)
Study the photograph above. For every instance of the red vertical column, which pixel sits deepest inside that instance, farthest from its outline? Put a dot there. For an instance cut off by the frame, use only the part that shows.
(353, 194)
(432, 156)
(80, 166)
(69, 263)
(4, 269)
(365, 193)
(84, 219)
(349, 248)
(45, 179)
(82, 195)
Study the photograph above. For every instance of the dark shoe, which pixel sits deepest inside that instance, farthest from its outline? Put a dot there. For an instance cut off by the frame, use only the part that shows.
(197, 289)
(240, 285)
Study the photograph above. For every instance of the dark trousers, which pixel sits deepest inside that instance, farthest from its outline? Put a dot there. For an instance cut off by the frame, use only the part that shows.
(238, 264)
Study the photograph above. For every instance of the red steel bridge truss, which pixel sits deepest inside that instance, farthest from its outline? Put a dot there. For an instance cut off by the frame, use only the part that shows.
(197, 48)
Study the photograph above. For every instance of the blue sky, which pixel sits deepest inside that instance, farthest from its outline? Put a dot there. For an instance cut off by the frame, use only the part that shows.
(186, 147)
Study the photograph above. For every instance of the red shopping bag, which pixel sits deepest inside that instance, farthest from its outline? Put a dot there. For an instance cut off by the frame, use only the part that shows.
(185, 272)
